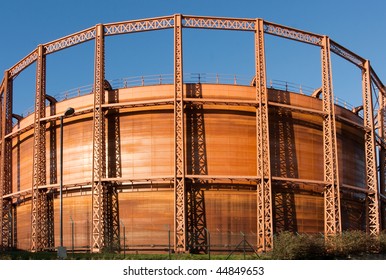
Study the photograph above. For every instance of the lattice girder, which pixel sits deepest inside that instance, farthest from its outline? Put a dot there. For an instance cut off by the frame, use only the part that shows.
(373, 226)
(6, 164)
(332, 214)
(139, 25)
(264, 185)
(99, 151)
(382, 153)
(38, 239)
(179, 143)
(24, 63)
(218, 23)
(293, 34)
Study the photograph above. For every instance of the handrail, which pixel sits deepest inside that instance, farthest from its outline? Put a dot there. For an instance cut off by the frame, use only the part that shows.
(204, 78)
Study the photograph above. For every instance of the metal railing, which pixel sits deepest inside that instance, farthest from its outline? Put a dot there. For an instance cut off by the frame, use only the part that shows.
(205, 78)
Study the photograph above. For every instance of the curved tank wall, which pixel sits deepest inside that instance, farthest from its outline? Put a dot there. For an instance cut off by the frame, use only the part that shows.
(220, 142)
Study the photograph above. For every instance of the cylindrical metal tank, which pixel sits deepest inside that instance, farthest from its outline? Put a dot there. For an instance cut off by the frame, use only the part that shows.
(184, 161)
(220, 141)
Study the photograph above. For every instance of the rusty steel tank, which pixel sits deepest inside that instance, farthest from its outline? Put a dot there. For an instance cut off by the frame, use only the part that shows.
(220, 150)
(181, 165)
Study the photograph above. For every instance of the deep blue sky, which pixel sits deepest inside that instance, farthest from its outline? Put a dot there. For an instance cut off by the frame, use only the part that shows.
(358, 25)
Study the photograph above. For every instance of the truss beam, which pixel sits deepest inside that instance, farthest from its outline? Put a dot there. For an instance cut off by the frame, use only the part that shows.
(38, 238)
(293, 34)
(219, 23)
(264, 185)
(346, 54)
(6, 164)
(179, 143)
(332, 217)
(23, 64)
(382, 156)
(373, 226)
(99, 152)
(139, 25)
(69, 41)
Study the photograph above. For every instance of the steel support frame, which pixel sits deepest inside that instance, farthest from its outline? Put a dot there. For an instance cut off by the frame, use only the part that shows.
(264, 184)
(99, 151)
(6, 165)
(382, 154)
(332, 212)
(373, 226)
(39, 218)
(332, 199)
(180, 243)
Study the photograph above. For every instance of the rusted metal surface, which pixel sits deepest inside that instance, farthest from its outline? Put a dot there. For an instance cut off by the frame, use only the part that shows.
(89, 171)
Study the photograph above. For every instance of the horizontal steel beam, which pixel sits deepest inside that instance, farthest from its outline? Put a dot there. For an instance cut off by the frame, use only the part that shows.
(135, 104)
(188, 21)
(355, 188)
(70, 40)
(299, 180)
(347, 54)
(292, 33)
(297, 108)
(23, 64)
(133, 26)
(169, 101)
(228, 102)
(218, 23)
(159, 180)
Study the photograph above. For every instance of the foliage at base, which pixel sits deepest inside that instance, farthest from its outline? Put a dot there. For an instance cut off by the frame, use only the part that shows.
(290, 246)
(287, 246)
(348, 245)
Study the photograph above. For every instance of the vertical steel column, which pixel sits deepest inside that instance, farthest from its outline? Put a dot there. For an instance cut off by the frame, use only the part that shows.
(39, 152)
(332, 217)
(179, 142)
(264, 185)
(99, 158)
(373, 226)
(382, 153)
(6, 164)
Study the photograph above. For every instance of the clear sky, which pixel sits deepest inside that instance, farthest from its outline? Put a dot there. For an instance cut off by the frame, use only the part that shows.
(358, 25)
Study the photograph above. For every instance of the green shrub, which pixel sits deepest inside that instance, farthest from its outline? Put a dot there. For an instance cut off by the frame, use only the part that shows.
(290, 246)
(382, 242)
(350, 243)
